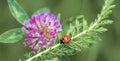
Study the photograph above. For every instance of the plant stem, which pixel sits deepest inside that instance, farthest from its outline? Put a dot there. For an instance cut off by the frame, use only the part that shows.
(39, 54)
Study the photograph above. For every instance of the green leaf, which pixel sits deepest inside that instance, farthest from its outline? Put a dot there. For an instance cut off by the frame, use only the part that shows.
(17, 11)
(85, 24)
(52, 59)
(101, 29)
(11, 36)
(28, 55)
(64, 58)
(77, 25)
(45, 10)
(71, 27)
(58, 16)
(20, 60)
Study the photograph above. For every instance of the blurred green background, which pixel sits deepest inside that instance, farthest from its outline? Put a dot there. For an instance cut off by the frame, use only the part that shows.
(106, 50)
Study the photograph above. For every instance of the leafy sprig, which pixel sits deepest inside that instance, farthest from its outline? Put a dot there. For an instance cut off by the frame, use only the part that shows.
(83, 34)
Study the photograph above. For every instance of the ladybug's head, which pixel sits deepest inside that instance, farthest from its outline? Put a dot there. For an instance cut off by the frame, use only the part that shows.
(62, 41)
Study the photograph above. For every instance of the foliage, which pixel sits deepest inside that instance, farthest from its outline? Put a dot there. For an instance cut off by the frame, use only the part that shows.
(83, 34)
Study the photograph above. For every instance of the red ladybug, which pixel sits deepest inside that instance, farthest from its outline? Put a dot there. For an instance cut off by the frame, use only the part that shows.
(65, 39)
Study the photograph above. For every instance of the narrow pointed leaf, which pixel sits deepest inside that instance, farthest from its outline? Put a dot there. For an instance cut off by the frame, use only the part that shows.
(17, 11)
(11, 36)
(20, 60)
(58, 16)
(85, 24)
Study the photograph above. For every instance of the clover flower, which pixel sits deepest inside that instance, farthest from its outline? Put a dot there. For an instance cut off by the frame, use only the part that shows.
(41, 31)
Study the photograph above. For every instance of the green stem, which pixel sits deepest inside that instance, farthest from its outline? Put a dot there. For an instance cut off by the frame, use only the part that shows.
(39, 54)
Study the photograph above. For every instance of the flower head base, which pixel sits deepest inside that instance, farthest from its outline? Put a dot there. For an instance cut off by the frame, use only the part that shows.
(41, 30)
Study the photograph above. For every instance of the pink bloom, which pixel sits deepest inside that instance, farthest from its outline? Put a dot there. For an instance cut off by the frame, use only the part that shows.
(41, 31)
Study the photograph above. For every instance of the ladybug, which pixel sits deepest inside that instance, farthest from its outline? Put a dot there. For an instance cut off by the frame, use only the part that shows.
(65, 39)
